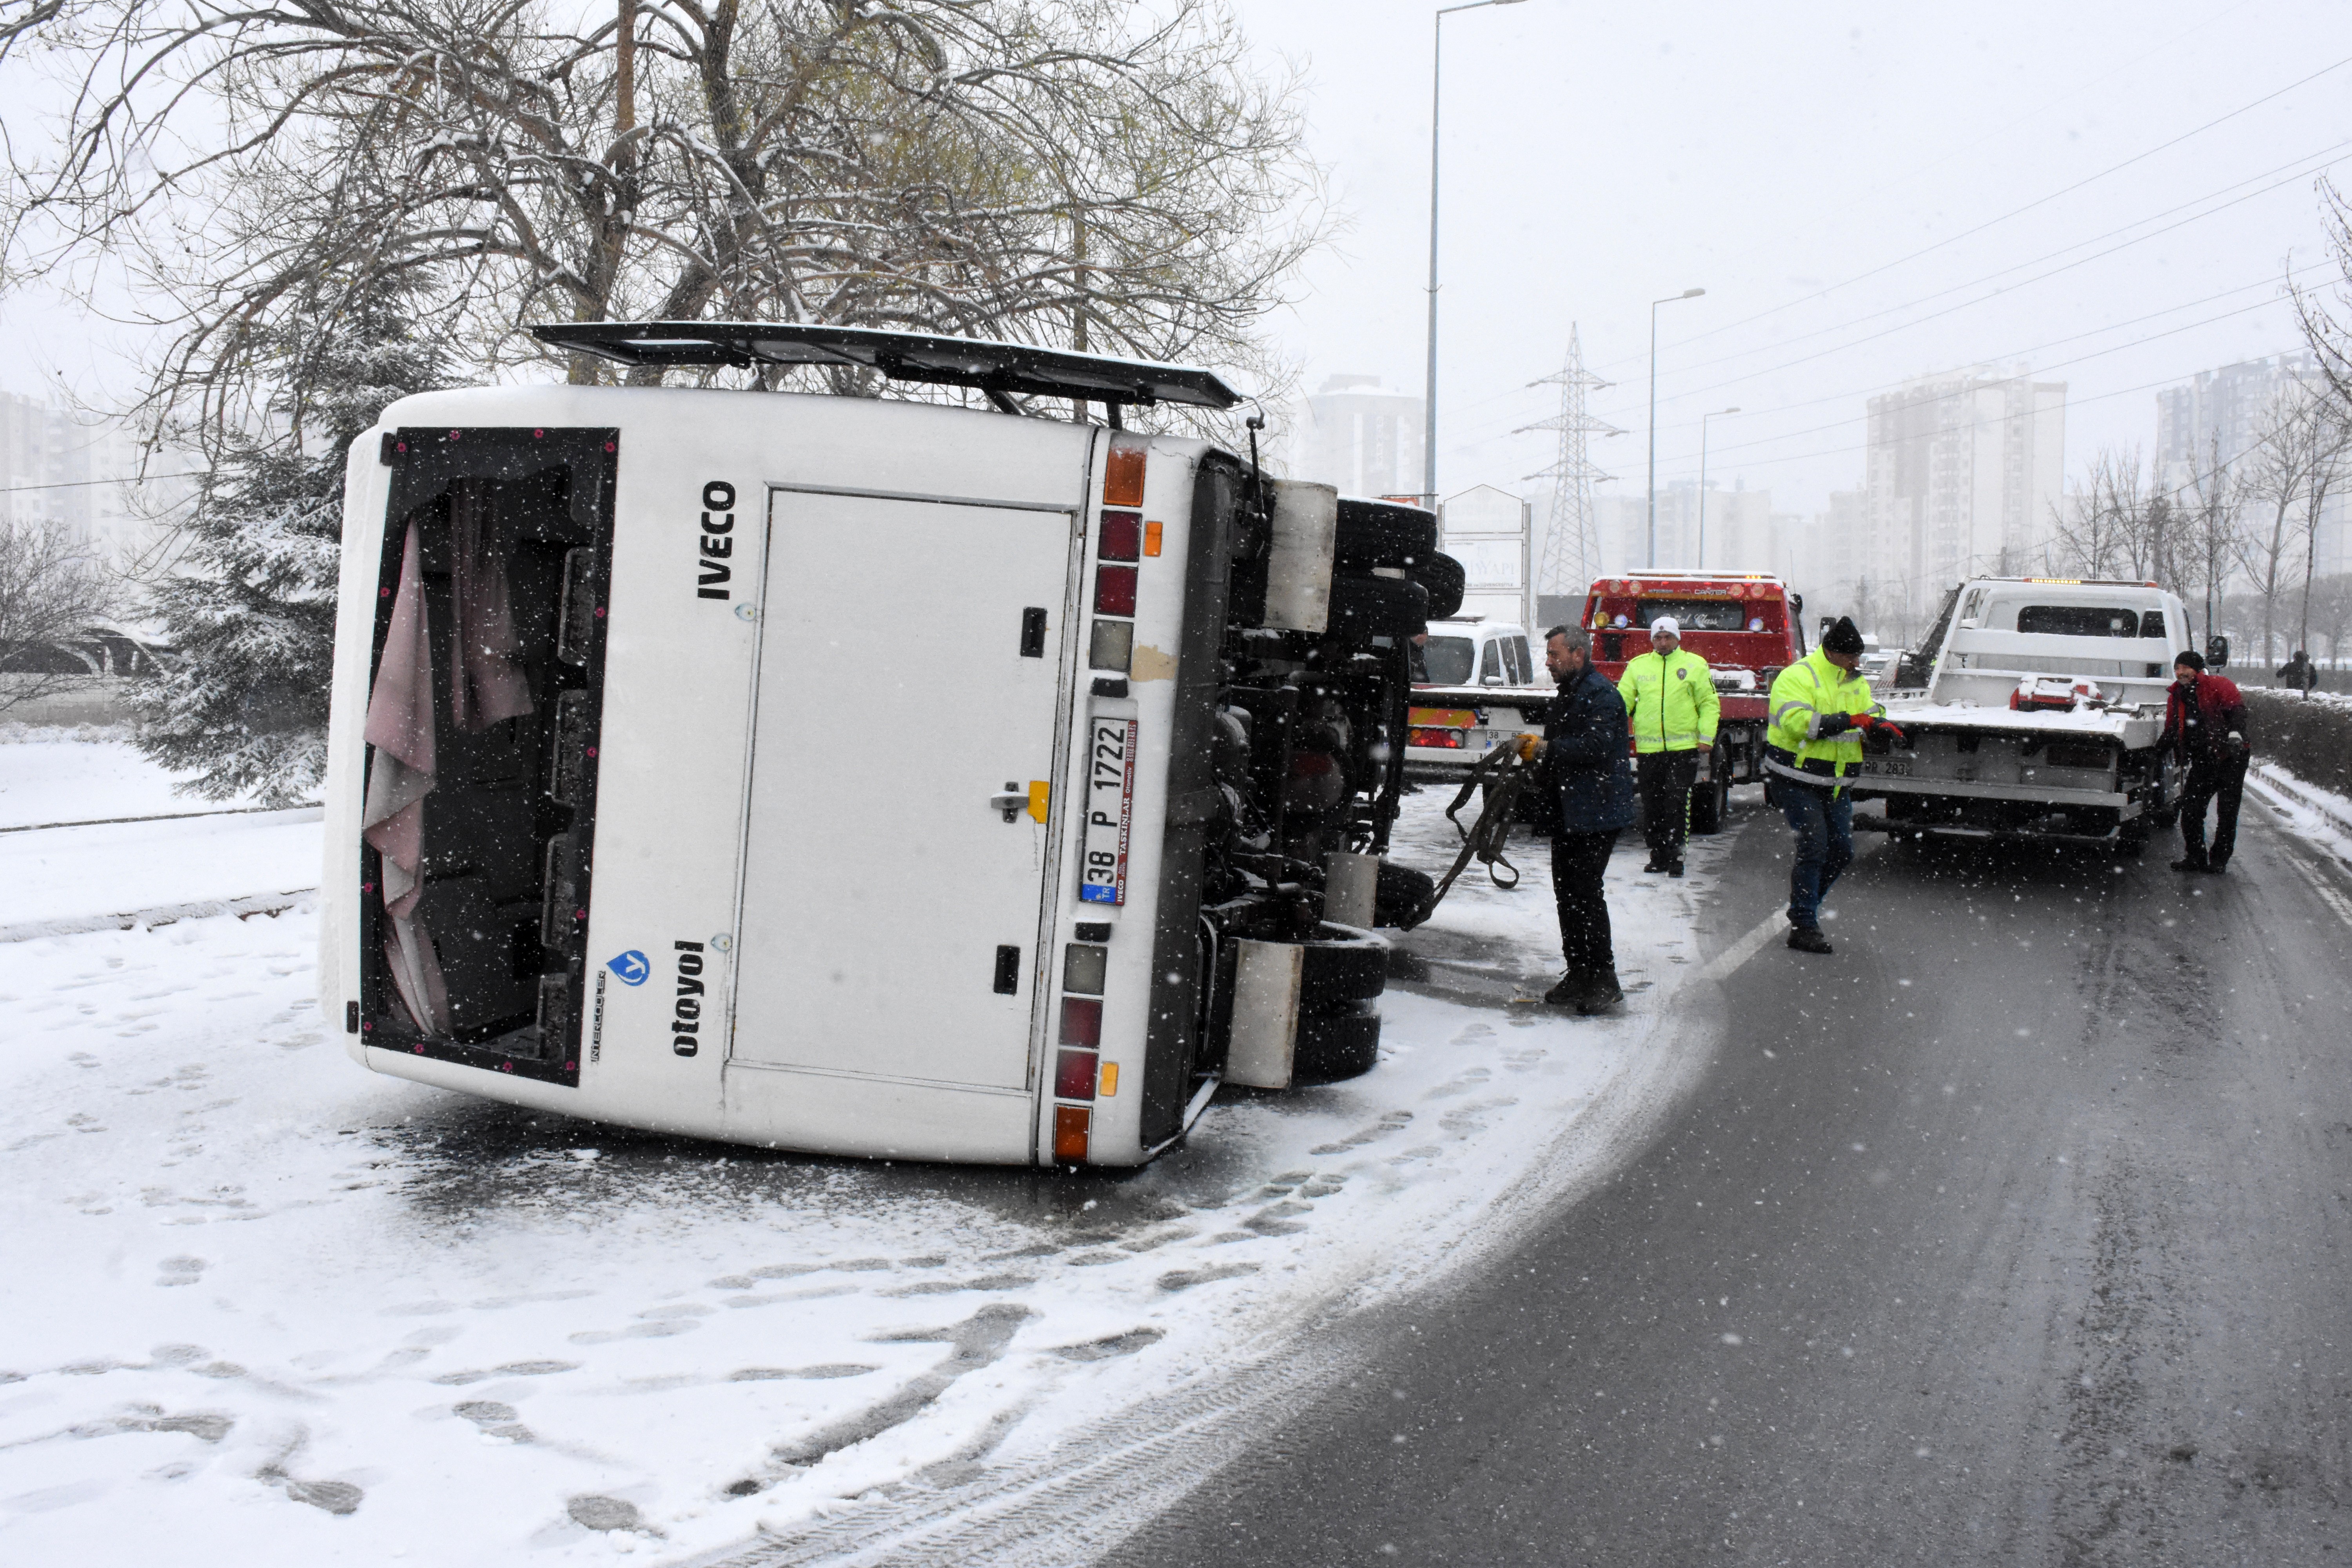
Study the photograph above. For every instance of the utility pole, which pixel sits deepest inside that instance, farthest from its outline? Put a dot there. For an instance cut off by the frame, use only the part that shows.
(1429, 384)
(1652, 549)
(1571, 555)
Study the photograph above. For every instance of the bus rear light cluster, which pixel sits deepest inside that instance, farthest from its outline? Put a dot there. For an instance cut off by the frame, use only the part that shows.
(1121, 536)
(1449, 739)
(1079, 1071)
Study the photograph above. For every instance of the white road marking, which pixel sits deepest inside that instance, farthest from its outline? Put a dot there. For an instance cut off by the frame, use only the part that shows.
(1724, 965)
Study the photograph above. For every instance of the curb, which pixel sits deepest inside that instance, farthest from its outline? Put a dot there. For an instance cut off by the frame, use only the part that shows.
(163, 915)
(292, 813)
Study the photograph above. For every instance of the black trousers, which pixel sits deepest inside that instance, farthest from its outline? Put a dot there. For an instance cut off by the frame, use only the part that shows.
(1578, 863)
(1665, 779)
(2221, 782)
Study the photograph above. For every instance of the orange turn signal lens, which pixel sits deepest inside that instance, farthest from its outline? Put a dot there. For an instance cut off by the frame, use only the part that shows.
(1123, 474)
(1071, 1127)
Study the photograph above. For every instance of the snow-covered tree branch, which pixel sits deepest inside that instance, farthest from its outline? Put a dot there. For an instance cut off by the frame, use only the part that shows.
(1073, 171)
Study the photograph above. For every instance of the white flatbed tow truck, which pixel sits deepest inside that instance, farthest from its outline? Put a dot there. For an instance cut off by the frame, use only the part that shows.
(2032, 711)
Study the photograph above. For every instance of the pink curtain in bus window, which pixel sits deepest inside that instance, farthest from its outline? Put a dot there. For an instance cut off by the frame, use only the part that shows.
(400, 728)
(485, 686)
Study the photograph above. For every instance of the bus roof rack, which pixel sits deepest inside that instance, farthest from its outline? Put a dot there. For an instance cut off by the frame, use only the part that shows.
(1002, 370)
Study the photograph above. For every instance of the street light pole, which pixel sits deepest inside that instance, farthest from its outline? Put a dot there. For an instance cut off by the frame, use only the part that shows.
(1701, 563)
(1429, 386)
(1685, 294)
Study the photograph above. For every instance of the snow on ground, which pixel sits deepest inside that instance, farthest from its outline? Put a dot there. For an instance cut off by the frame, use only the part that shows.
(2318, 816)
(74, 878)
(85, 774)
(255, 1294)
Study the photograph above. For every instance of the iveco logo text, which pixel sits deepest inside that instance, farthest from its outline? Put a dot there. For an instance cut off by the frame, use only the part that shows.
(717, 523)
(687, 1023)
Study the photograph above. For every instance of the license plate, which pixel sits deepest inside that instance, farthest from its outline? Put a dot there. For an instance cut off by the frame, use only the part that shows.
(1110, 810)
(1896, 770)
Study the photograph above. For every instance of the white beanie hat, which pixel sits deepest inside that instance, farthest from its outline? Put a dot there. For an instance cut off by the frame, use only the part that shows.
(1667, 623)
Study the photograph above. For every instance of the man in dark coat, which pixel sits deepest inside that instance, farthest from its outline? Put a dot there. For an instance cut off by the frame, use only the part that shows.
(1583, 764)
(2205, 729)
(2298, 673)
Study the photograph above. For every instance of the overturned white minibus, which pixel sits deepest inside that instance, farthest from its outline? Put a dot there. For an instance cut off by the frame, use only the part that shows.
(635, 815)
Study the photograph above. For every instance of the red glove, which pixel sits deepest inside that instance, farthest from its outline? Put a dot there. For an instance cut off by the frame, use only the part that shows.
(1871, 724)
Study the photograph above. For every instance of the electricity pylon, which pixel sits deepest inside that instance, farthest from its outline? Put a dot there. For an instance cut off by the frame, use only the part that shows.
(1571, 557)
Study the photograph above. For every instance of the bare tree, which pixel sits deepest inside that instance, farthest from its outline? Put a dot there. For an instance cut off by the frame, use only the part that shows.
(20, 19)
(51, 590)
(2277, 472)
(2114, 525)
(2331, 449)
(2214, 525)
(2094, 529)
(1072, 172)
(2330, 605)
(2327, 316)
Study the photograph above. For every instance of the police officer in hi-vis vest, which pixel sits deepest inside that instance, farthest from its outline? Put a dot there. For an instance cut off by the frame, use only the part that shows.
(1670, 699)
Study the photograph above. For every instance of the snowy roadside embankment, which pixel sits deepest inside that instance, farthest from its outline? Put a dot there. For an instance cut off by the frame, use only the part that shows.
(255, 1294)
(2318, 816)
(54, 774)
(58, 880)
(146, 853)
(2310, 736)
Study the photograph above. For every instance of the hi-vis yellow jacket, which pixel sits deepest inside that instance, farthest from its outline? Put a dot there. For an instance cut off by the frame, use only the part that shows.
(1805, 693)
(1672, 702)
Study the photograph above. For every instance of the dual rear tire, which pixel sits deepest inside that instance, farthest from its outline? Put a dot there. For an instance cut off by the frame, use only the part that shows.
(1341, 978)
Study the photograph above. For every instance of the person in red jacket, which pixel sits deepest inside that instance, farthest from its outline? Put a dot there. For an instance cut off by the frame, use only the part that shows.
(2205, 728)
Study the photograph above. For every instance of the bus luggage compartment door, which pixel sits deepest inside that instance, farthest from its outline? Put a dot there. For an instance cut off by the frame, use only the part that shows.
(887, 894)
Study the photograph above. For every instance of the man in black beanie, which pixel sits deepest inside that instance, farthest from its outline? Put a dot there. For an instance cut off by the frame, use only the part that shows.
(2205, 729)
(1820, 709)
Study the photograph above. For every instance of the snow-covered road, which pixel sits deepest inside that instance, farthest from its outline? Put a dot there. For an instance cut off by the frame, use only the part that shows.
(255, 1294)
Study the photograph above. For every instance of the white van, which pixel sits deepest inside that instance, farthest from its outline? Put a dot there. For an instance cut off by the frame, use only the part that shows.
(1476, 682)
(1108, 845)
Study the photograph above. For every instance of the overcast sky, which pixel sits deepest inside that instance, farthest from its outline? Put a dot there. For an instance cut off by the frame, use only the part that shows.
(1792, 159)
(1598, 157)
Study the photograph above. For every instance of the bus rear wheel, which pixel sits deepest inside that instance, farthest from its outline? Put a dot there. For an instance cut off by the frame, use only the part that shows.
(1338, 1020)
(1336, 1046)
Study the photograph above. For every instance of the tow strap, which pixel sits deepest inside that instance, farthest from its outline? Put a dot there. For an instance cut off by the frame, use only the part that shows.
(1484, 841)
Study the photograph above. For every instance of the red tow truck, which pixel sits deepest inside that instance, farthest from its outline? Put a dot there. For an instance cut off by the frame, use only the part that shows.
(1745, 624)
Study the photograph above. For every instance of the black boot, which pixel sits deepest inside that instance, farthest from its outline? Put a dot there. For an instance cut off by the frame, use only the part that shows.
(1602, 993)
(2189, 863)
(1675, 869)
(1571, 989)
(1808, 939)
